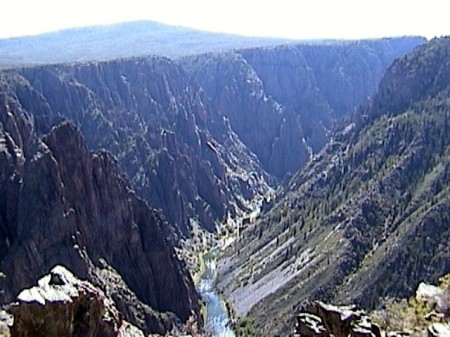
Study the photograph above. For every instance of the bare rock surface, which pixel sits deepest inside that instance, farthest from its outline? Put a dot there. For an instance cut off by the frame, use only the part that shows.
(438, 330)
(318, 319)
(62, 305)
(72, 207)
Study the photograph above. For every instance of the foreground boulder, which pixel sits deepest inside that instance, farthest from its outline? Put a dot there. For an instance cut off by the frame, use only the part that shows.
(62, 305)
(6, 321)
(309, 325)
(318, 319)
(438, 330)
(433, 296)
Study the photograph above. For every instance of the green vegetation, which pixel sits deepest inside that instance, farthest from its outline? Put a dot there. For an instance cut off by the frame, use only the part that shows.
(412, 315)
(244, 328)
(371, 211)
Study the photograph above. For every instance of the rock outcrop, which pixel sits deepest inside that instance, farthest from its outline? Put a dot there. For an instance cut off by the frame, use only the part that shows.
(309, 325)
(438, 330)
(62, 305)
(434, 296)
(425, 314)
(72, 207)
(6, 322)
(317, 319)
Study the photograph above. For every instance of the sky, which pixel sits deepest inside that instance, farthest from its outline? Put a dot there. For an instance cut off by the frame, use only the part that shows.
(301, 19)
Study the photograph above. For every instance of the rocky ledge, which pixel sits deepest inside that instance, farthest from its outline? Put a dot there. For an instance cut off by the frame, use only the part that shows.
(427, 314)
(62, 305)
(318, 319)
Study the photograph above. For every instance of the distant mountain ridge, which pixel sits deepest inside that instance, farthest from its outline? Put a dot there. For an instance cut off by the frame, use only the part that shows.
(125, 40)
(130, 39)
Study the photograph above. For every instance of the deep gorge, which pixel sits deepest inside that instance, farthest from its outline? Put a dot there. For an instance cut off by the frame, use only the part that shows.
(154, 145)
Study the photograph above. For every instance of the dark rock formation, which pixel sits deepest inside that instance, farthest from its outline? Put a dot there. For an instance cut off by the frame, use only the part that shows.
(282, 101)
(263, 124)
(61, 305)
(348, 74)
(179, 155)
(75, 208)
(309, 325)
(288, 78)
(426, 74)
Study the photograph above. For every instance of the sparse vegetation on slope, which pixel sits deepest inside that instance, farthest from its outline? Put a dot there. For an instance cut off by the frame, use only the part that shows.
(415, 315)
(367, 217)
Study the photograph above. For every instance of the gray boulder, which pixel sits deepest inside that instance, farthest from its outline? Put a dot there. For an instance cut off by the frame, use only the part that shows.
(309, 325)
(438, 330)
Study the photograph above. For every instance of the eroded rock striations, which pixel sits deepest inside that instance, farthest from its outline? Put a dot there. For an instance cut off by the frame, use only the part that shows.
(283, 101)
(65, 205)
(368, 216)
(194, 145)
(178, 154)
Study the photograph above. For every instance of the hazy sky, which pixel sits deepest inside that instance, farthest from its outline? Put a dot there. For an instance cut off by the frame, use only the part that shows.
(281, 18)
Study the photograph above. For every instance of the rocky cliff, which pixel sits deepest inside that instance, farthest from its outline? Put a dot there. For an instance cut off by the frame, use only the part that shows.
(197, 146)
(319, 319)
(282, 101)
(425, 314)
(195, 139)
(368, 216)
(179, 155)
(61, 204)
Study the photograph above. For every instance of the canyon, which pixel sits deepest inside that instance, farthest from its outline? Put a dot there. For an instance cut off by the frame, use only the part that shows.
(367, 218)
(114, 168)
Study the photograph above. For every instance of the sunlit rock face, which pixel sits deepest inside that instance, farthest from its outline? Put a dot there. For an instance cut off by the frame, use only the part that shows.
(62, 305)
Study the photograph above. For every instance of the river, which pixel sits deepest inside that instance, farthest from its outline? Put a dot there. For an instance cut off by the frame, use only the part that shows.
(217, 321)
